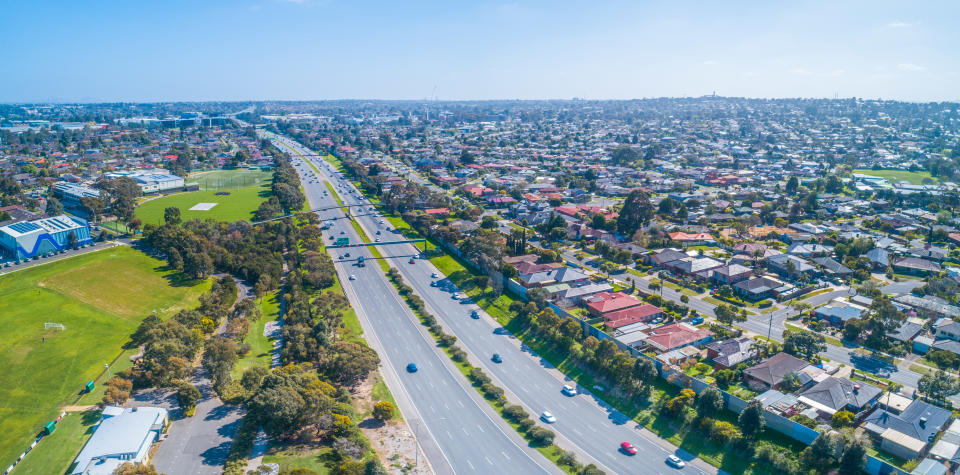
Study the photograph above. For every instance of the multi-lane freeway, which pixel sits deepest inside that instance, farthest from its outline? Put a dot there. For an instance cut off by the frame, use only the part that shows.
(458, 431)
(583, 421)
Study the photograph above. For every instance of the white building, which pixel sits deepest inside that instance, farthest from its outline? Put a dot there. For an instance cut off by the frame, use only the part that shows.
(123, 435)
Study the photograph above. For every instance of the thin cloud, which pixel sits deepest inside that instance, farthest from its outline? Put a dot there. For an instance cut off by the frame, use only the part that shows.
(899, 24)
(910, 67)
(710, 62)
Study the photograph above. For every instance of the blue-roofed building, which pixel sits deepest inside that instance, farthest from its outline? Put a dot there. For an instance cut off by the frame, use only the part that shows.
(28, 239)
(123, 435)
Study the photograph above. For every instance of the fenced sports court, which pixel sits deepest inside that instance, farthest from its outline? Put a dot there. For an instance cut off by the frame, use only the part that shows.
(229, 179)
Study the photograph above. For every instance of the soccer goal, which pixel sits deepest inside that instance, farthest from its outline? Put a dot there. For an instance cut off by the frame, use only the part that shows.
(54, 326)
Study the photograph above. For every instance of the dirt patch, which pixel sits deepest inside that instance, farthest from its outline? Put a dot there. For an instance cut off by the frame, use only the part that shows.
(396, 447)
(393, 441)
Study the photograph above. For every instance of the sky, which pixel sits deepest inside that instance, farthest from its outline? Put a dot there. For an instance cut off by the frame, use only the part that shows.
(172, 50)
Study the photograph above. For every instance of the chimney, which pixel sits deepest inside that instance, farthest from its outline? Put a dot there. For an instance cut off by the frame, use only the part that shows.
(856, 388)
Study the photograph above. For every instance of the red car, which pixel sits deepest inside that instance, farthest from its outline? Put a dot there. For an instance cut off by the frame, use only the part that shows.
(628, 448)
(413, 261)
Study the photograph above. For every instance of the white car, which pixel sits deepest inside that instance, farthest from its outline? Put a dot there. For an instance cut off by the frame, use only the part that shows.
(545, 416)
(569, 390)
(434, 275)
(455, 296)
(353, 277)
(675, 461)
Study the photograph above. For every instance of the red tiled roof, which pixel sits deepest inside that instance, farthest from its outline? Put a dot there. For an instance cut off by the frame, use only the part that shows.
(619, 318)
(436, 211)
(677, 335)
(603, 302)
(681, 236)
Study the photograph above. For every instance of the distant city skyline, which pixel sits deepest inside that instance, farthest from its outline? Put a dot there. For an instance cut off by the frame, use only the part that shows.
(234, 50)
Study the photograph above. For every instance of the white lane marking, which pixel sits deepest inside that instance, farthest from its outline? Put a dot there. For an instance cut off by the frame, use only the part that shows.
(471, 465)
(612, 456)
(460, 403)
(590, 426)
(447, 406)
(464, 429)
(578, 432)
(488, 460)
(449, 435)
(481, 428)
(505, 455)
(433, 409)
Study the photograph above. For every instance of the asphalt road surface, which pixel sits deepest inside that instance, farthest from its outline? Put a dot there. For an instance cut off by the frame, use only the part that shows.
(585, 421)
(457, 434)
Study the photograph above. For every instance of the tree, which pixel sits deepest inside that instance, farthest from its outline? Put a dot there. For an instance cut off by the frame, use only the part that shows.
(219, 356)
(820, 454)
(348, 363)
(171, 215)
(724, 377)
(262, 286)
(854, 458)
(709, 402)
(842, 419)
(130, 468)
(804, 343)
(122, 194)
(383, 411)
(54, 207)
(253, 377)
(884, 318)
(727, 314)
(751, 420)
(792, 185)
(624, 155)
(636, 212)
(187, 396)
(790, 383)
(852, 329)
(93, 207)
(937, 386)
(683, 400)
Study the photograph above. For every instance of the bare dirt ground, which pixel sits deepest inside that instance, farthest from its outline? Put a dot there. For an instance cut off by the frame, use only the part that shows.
(394, 441)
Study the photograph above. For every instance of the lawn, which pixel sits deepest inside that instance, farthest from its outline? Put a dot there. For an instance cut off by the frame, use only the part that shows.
(57, 451)
(293, 458)
(100, 297)
(893, 176)
(261, 347)
(239, 204)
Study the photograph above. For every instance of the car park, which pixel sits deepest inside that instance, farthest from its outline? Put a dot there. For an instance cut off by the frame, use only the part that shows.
(455, 296)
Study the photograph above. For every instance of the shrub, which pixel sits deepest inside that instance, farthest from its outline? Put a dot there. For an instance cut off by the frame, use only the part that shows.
(842, 419)
(525, 424)
(541, 436)
(429, 320)
(492, 391)
(515, 413)
(187, 397)
(458, 355)
(479, 377)
(383, 411)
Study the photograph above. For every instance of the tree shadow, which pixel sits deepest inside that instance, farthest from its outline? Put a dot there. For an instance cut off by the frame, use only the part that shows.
(371, 423)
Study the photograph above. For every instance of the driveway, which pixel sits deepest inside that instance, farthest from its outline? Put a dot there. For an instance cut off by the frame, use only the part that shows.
(199, 444)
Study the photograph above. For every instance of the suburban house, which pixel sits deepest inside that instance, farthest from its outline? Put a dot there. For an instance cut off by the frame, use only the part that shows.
(832, 267)
(790, 265)
(915, 266)
(838, 312)
(123, 435)
(563, 275)
(692, 265)
(677, 335)
(663, 256)
(906, 434)
(602, 303)
(696, 239)
(574, 295)
(947, 328)
(729, 353)
(627, 316)
(769, 374)
(731, 274)
(758, 288)
(840, 394)
(948, 447)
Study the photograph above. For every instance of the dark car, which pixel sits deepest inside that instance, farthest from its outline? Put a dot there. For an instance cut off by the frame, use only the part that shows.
(496, 358)
(412, 368)
(474, 315)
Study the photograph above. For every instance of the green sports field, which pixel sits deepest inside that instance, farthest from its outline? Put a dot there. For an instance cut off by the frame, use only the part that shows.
(100, 297)
(894, 176)
(246, 188)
